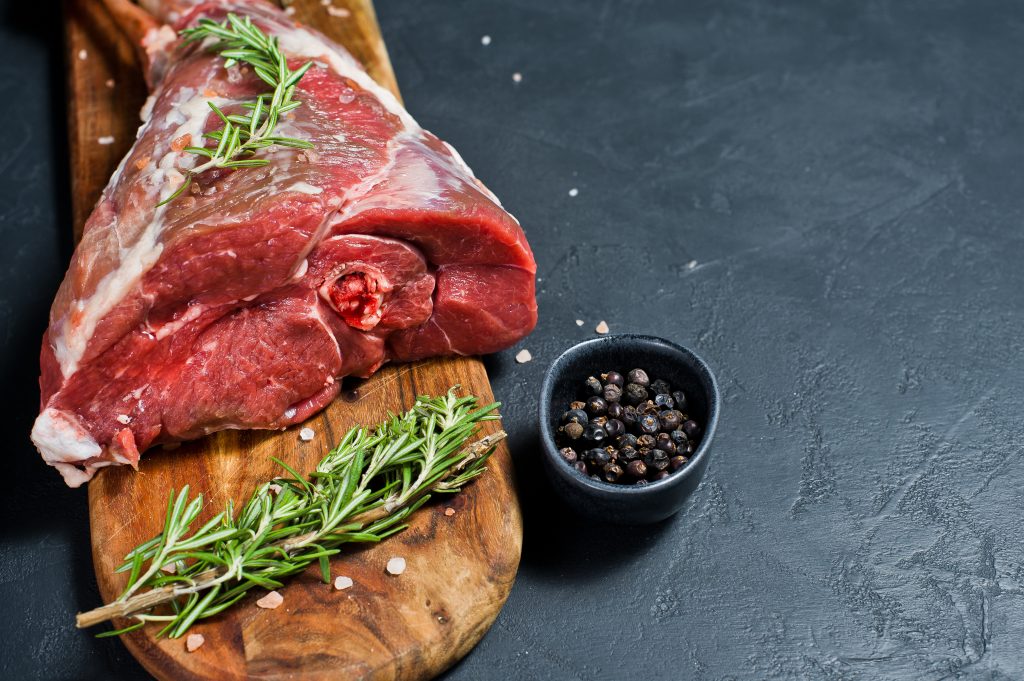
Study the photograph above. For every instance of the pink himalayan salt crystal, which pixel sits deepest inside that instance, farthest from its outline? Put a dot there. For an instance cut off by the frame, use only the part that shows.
(271, 600)
(193, 642)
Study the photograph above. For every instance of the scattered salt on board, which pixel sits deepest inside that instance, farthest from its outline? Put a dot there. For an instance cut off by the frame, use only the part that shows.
(485, 40)
(396, 565)
(523, 356)
(341, 583)
(574, 192)
(270, 601)
(307, 434)
(339, 12)
(517, 77)
(579, 322)
(449, 511)
(602, 327)
(106, 139)
(193, 642)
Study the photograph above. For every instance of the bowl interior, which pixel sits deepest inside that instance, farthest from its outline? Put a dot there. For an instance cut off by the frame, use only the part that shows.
(658, 357)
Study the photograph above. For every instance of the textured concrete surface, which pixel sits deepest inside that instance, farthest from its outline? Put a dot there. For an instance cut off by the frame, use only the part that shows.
(824, 199)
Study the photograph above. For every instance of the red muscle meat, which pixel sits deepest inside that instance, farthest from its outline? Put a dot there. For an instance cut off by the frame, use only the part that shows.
(242, 303)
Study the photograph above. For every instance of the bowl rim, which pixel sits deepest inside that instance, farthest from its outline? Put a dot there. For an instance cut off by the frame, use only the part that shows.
(550, 447)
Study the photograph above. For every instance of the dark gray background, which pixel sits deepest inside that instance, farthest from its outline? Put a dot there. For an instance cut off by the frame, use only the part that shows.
(846, 178)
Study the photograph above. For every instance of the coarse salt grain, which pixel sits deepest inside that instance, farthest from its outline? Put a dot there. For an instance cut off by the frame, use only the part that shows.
(124, 419)
(579, 322)
(83, 55)
(289, 10)
(449, 511)
(574, 192)
(517, 77)
(691, 264)
(106, 139)
(523, 356)
(270, 601)
(342, 583)
(306, 434)
(602, 327)
(193, 642)
(110, 83)
(275, 488)
(338, 12)
(396, 565)
(485, 40)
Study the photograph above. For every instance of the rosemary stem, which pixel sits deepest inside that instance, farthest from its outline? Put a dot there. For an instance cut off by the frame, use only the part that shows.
(137, 603)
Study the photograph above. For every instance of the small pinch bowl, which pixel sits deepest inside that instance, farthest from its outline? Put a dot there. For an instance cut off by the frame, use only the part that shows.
(627, 504)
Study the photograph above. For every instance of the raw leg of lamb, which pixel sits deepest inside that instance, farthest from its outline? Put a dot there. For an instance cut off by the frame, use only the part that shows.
(242, 303)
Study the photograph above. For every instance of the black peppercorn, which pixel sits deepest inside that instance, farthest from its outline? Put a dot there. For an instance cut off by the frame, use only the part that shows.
(616, 410)
(597, 457)
(691, 429)
(646, 441)
(634, 394)
(594, 433)
(568, 453)
(637, 469)
(614, 428)
(612, 452)
(664, 401)
(628, 453)
(648, 407)
(580, 467)
(665, 444)
(592, 386)
(596, 406)
(656, 459)
(677, 462)
(575, 415)
(612, 393)
(670, 420)
(679, 397)
(638, 376)
(573, 430)
(612, 472)
(649, 423)
(660, 387)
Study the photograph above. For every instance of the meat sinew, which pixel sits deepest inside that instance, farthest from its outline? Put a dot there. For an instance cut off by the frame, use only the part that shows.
(241, 303)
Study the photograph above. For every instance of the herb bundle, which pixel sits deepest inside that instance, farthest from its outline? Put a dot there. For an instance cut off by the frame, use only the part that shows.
(362, 491)
(238, 40)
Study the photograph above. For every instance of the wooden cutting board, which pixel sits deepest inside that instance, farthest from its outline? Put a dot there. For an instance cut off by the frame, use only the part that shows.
(460, 567)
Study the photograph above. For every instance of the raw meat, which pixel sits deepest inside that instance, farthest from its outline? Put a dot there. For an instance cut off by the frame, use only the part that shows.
(241, 304)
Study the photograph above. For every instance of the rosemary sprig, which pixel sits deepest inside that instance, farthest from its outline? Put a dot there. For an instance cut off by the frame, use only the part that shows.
(362, 491)
(239, 40)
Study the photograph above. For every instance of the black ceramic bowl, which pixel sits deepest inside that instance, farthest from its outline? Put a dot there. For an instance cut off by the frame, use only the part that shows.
(627, 504)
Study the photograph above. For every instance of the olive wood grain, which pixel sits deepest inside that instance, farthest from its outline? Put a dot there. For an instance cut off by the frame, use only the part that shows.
(460, 567)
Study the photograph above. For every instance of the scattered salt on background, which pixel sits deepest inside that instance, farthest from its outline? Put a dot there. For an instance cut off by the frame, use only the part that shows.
(523, 356)
(449, 511)
(307, 434)
(83, 55)
(106, 139)
(574, 192)
(124, 419)
(110, 83)
(289, 10)
(396, 565)
(338, 12)
(271, 600)
(485, 40)
(193, 642)
(691, 264)
(342, 583)
(602, 327)
(517, 77)
(579, 322)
